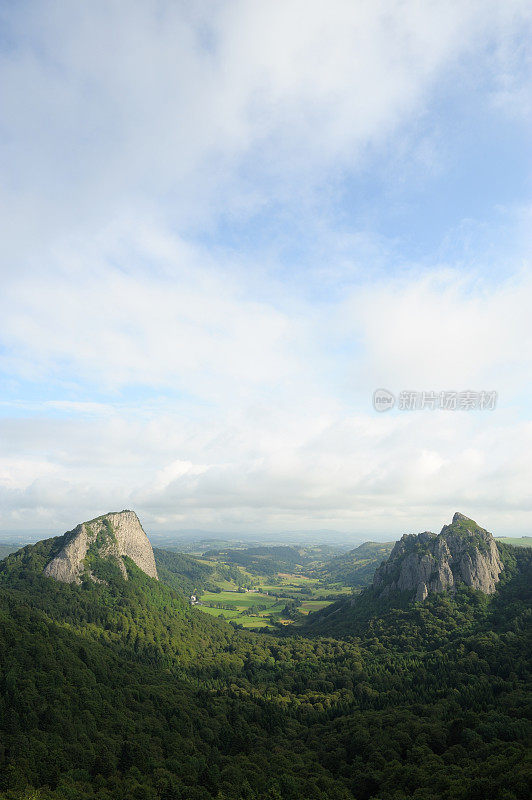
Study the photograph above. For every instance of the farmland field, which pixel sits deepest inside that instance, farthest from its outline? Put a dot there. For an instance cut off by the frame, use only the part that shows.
(522, 541)
(254, 609)
(239, 600)
(308, 606)
(238, 607)
(267, 586)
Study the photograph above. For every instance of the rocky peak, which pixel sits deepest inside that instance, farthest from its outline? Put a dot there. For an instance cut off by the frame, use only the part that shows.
(462, 553)
(110, 536)
(458, 517)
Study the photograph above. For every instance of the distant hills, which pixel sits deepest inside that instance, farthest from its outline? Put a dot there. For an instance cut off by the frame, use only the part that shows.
(356, 568)
(272, 559)
(190, 575)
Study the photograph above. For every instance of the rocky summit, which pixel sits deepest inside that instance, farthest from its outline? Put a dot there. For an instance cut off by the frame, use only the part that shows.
(425, 563)
(110, 536)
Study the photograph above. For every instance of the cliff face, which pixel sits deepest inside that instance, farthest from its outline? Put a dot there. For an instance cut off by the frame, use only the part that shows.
(462, 552)
(110, 536)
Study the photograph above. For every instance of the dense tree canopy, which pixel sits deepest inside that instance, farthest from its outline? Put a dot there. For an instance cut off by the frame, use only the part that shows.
(120, 689)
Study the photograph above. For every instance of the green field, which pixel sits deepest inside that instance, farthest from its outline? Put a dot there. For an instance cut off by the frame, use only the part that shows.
(308, 606)
(240, 602)
(288, 579)
(327, 591)
(254, 622)
(523, 541)
(298, 582)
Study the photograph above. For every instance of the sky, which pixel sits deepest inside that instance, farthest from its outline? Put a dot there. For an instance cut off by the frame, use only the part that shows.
(224, 225)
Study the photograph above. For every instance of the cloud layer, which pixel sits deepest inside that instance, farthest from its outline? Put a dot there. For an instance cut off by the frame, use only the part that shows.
(263, 418)
(207, 217)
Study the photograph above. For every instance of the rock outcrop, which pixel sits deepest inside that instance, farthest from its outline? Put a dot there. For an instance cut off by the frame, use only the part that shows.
(462, 553)
(110, 536)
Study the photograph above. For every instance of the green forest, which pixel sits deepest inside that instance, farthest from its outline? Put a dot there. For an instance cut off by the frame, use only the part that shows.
(121, 689)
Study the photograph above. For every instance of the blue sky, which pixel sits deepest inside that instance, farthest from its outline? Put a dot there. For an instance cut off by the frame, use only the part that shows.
(224, 225)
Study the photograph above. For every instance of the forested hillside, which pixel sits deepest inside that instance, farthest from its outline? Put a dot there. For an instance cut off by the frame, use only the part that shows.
(272, 559)
(119, 689)
(356, 568)
(190, 575)
(6, 549)
(182, 572)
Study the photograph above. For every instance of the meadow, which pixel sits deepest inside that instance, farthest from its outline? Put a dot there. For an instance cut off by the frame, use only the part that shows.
(255, 609)
(516, 541)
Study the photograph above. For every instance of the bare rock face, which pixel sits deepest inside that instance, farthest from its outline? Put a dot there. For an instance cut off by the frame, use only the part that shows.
(425, 563)
(110, 536)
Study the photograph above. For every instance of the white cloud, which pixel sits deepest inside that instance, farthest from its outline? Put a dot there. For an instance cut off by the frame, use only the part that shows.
(130, 126)
(445, 331)
(266, 425)
(354, 474)
(190, 330)
(268, 428)
(126, 108)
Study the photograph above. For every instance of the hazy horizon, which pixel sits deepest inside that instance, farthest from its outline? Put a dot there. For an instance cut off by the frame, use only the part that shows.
(309, 537)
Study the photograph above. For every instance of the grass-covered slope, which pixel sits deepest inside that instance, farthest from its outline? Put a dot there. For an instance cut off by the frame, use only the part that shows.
(516, 541)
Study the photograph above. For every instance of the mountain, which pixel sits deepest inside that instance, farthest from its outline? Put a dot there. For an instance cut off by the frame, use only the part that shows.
(462, 553)
(107, 538)
(463, 562)
(117, 688)
(357, 567)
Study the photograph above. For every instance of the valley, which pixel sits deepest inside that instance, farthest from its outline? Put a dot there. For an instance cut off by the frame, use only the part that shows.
(284, 684)
(240, 592)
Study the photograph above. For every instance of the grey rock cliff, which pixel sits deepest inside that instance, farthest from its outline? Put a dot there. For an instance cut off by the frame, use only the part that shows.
(462, 553)
(112, 536)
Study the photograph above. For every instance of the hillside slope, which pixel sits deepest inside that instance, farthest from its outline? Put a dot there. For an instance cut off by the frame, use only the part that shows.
(119, 689)
(356, 567)
(182, 572)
